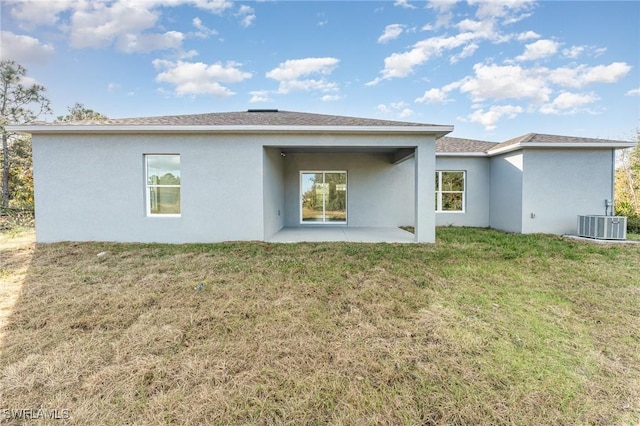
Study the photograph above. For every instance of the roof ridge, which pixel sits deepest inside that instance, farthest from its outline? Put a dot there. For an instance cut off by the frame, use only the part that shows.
(270, 117)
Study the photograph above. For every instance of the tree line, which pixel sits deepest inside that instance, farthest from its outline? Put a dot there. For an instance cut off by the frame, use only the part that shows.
(22, 103)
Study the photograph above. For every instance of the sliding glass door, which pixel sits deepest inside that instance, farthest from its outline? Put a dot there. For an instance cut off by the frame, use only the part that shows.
(323, 197)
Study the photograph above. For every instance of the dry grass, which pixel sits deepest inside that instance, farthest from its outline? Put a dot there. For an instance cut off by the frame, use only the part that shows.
(480, 328)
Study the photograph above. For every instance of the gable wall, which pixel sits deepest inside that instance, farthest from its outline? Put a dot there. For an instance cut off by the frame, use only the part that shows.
(560, 184)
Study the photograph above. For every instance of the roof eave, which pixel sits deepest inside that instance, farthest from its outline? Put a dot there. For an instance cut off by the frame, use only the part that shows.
(571, 145)
(462, 154)
(437, 131)
(614, 144)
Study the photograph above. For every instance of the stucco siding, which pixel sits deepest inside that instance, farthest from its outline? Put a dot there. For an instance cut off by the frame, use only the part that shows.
(560, 184)
(93, 188)
(379, 194)
(477, 190)
(506, 192)
(273, 183)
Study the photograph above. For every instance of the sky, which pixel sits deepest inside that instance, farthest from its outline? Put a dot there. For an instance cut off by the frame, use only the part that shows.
(494, 70)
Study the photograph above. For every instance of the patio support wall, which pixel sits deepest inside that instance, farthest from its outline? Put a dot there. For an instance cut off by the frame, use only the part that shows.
(425, 166)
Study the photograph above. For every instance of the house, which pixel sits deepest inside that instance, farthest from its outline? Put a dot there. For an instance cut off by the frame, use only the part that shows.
(251, 175)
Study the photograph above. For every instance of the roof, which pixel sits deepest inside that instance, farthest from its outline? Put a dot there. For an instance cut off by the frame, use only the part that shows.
(271, 120)
(448, 144)
(540, 140)
(258, 117)
(275, 121)
(457, 146)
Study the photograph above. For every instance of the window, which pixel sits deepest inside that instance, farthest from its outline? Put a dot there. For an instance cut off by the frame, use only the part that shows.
(163, 184)
(450, 191)
(323, 197)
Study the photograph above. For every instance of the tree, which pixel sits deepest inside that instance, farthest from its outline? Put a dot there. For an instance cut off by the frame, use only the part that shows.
(78, 112)
(628, 187)
(19, 104)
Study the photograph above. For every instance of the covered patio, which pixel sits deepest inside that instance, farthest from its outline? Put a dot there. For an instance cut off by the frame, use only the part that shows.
(342, 234)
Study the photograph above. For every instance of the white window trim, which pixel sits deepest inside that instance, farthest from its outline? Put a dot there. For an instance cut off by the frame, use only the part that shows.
(147, 186)
(440, 192)
(346, 207)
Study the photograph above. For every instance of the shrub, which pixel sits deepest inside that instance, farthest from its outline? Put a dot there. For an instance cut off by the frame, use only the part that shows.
(633, 224)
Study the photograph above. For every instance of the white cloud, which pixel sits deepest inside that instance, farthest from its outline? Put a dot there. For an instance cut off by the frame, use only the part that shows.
(404, 4)
(100, 24)
(398, 108)
(540, 89)
(510, 10)
(287, 86)
(24, 49)
(291, 72)
(405, 113)
(573, 51)
(247, 16)
(471, 33)
(538, 50)
(436, 95)
(433, 96)
(128, 24)
(214, 6)
(291, 75)
(331, 98)
(529, 35)
(398, 105)
(581, 75)
(113, 86)
(633, 92)
(490, 118)
(505, 82)
(130, 43)
(467, 51)
(568, 103)
(444, 12)
(203, 30)
(399, 65)
(391, 32)
(197, 78)
(296, 68)
(259, 96)
(599, 51)
(34, 13)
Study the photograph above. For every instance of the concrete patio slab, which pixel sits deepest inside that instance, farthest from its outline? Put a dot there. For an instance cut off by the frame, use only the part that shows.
(597, 241)
(342, 233)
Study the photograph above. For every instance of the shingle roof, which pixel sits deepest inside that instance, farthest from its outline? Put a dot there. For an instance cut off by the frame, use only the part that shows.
(539, 138)
(246, 118)
(448, 144)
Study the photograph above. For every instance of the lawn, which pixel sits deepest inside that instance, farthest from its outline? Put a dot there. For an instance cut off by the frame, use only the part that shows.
(480, 328)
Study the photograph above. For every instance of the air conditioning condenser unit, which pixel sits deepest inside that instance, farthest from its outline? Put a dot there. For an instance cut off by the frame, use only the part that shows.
(602, 227)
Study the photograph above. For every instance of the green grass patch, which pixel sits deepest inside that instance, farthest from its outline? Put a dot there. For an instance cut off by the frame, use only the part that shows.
(482, 327)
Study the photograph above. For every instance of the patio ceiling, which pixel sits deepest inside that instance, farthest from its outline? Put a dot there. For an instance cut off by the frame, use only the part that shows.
(396, 154)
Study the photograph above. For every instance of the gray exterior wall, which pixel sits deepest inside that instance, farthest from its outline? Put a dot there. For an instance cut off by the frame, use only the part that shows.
(561, 184)
(544, 190)
(233, 187)
(273, 183)
(379, 193)
(505, 208)
(477, 191)
(93, 188)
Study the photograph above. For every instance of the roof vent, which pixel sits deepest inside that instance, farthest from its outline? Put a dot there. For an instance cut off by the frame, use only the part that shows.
(262, 110)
